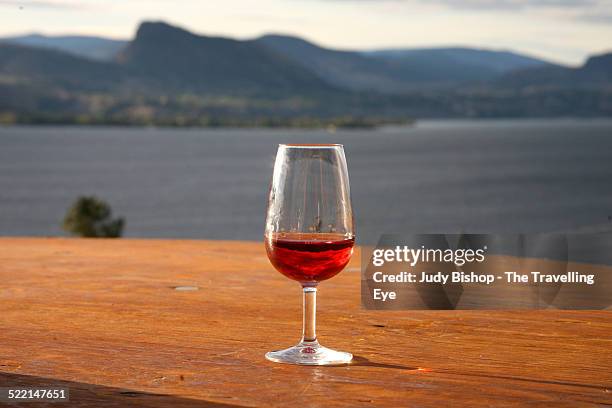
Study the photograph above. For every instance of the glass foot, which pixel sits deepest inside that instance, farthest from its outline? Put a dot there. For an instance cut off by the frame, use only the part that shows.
(309, 353)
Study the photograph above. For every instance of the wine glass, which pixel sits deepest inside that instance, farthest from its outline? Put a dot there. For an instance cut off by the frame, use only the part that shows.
(309, 234)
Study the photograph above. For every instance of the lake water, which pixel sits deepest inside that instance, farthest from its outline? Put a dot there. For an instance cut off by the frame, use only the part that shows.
(443, 176)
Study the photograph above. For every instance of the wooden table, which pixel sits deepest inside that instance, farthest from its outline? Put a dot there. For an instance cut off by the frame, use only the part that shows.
(103, 318)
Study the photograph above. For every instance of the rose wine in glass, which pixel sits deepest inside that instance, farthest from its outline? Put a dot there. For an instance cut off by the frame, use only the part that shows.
(309, 234)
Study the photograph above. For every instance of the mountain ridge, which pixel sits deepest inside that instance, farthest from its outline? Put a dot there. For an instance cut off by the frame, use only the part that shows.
(501, 60)
(385, 70)
(211, 64)
(595, 72)
(91, 47)
(402, 70)
(170, 76)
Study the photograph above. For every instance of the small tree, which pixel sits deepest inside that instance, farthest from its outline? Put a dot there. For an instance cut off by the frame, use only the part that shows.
(92, 217)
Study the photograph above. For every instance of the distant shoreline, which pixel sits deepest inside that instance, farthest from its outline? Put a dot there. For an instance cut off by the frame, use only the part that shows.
(345, 122)
(246, 125)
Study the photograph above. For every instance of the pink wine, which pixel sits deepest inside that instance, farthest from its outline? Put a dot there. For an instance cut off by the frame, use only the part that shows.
(309, 257)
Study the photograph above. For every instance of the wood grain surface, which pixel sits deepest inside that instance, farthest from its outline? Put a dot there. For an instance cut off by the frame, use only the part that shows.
(103, 318)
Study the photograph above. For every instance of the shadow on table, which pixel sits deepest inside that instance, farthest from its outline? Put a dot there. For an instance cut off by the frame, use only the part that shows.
(364, 362)
(93, 395)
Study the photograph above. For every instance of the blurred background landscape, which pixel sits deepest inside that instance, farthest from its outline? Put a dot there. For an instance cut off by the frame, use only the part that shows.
(474, 116)
(169, 76)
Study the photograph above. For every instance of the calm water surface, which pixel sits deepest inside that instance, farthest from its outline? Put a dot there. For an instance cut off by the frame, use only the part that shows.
(445, 176)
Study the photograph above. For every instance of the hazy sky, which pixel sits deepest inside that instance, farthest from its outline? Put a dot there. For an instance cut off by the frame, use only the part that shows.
(563, 31)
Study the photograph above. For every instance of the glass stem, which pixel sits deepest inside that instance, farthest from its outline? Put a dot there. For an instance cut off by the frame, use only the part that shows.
(310, 314)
